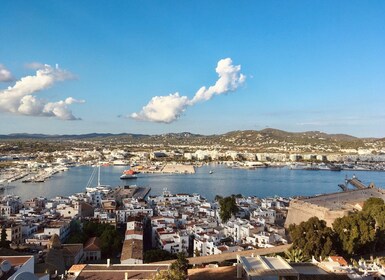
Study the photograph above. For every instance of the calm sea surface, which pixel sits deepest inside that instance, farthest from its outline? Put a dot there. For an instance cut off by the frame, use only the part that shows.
(224, 181)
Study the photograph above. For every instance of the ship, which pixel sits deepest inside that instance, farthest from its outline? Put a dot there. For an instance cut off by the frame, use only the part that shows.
(128, 174)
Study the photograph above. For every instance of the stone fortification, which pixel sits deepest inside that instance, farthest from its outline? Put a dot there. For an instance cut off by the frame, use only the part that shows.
(301, 211)
(331, 206)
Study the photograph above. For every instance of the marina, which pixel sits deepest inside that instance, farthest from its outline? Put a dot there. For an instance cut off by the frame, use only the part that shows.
(262, 182)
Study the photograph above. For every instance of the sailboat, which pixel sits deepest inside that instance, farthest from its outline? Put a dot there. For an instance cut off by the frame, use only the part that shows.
(99, 187)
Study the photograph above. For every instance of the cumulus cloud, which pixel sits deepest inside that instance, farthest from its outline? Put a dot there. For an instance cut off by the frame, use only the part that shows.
(19, 99)
(60, 109)
(5, 74)
(166, 109)
(230, 79)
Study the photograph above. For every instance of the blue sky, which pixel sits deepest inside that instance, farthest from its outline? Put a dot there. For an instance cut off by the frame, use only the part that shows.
(307, 65)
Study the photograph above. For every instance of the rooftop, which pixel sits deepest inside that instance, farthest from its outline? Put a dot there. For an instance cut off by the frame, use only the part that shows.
(115, 272)
(132, 249)
(265, 266)
(216, 273)
(93, 244)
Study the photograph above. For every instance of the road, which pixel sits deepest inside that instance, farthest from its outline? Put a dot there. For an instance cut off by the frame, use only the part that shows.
(233, 255)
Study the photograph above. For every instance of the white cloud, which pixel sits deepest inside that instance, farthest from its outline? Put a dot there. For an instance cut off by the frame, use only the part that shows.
(60, 109)
(5, 74)
(230, 79)
(18, 99)
(166, 109)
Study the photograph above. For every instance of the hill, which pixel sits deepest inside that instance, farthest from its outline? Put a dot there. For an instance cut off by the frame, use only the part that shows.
(264, 140)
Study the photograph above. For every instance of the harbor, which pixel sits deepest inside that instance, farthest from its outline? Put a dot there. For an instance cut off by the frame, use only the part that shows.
(223, 180)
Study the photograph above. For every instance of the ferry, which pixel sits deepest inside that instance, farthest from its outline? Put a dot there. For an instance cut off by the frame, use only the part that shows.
(128, 174)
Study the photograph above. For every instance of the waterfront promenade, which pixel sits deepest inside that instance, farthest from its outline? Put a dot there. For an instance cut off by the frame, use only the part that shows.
(233, 255)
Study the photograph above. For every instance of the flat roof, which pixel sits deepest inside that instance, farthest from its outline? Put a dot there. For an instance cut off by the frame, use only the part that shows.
(260, 265)
(15, 260)
(116, 272)
(308, 269)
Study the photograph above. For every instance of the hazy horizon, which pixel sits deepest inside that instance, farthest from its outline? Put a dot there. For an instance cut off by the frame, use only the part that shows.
(178, 132)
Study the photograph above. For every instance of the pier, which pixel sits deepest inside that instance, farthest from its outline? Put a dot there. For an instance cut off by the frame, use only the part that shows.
(178, 168)
(141, 192)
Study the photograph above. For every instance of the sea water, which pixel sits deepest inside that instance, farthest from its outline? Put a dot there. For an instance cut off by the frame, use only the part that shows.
(224, 181)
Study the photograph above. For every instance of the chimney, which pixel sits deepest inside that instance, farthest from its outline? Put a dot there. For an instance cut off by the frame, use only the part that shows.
(108, 262)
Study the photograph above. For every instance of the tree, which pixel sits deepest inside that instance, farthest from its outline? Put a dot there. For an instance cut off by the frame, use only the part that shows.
(110, 241)
(180, 266)
(217, 197)
(76, 233)
(375, 207)
(313, 237)
(157, 255)
(169, 275)
(372, 203)
(296, 255)
(228, 207)
(178, 269)
(356, 233)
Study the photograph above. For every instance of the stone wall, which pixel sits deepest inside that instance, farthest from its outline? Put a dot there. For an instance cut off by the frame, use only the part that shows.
(301, 211)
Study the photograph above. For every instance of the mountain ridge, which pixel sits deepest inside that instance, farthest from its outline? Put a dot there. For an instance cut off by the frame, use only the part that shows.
(267, 131)
(265, 140)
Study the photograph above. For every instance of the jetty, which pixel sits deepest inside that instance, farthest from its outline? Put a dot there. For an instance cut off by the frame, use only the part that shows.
(178, 169)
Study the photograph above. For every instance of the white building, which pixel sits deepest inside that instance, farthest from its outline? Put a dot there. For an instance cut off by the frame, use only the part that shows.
(171, 240)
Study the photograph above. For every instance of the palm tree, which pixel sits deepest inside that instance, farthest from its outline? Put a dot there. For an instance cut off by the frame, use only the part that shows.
(296, 255)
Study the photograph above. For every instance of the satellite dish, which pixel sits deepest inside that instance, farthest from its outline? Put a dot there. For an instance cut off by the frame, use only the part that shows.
(5, 266)
(26, 275)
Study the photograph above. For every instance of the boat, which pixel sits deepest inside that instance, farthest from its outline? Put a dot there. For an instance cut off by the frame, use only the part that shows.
(128, 174)
(99, 187)
(211, 172)
(335, 168)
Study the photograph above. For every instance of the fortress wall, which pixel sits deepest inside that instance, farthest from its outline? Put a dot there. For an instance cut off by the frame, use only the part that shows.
(330, 216)
(300, 211)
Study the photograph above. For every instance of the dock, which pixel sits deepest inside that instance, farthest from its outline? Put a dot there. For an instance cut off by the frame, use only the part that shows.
(356, 183)
(141, 192)
(178, 169)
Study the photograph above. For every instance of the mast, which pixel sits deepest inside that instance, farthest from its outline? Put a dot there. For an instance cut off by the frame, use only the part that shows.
(99, 176)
